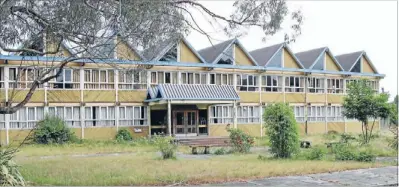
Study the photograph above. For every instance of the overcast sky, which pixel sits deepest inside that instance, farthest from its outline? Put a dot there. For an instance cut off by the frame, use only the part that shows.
(341, 25)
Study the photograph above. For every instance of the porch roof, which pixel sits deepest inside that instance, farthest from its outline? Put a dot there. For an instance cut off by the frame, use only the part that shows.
(193, 92)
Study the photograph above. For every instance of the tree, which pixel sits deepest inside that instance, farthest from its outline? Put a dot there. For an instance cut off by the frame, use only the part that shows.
(363, 104)
(282, 130)
(393, 118)
(89, 27)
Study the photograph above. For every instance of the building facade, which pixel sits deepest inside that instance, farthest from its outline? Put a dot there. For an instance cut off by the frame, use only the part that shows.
(184, 92)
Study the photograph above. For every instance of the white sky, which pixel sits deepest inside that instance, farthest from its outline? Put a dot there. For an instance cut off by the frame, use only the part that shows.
(343, 26)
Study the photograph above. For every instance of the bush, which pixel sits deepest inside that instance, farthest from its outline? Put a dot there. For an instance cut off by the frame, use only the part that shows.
(316, 153)
(220, 151)
(344, 152)
(241, 141)
(346, 138)
(365, 156)
(52, 130)
(281, 130)
(9, 173)
(123, 135)
(166, 147)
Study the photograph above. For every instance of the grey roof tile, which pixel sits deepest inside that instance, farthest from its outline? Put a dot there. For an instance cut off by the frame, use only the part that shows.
(307, 58)
(263, 55)
(210, 54)
(348, 60)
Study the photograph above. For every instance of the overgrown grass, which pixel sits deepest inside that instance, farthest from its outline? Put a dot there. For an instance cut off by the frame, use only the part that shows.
(146, 169)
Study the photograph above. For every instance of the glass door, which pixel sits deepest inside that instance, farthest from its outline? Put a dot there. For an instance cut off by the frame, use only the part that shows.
(185, 123)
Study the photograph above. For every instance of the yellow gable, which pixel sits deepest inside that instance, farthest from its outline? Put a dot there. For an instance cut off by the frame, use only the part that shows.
(187, 55)
(289, 61)
(124, 52)
(241, 58)
(330, 64)
(366, 67)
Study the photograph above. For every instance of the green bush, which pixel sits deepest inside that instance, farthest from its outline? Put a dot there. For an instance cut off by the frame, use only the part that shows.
(282, 130)
(316, 153)
(346, 138)
(123, 135)
(166, 147)
(241, 141)
(220, 151)
(9, 173)
(365, 156)
(52, 130)
(344, 152)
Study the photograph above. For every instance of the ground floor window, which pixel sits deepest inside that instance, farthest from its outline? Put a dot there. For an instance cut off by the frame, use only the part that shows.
(103, 116)
(248, 114)
(71, 115)
(26, 117)
(221, 114)
(316, 113)
(299, 112)
(132, 115)
(334, 113)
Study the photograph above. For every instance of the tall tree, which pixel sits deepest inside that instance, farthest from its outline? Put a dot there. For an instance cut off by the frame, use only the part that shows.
(89, 26)
(363, 104)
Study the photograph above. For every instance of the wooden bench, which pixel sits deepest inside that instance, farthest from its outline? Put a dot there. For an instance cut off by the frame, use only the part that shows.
(205, 142)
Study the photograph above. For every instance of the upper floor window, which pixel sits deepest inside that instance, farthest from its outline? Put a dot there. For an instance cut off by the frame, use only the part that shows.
(99, 79)
(161, 77)
(23, 77)
(193, 78)
(1, 77)
(227, 56)
(335, 86)
(294, 84)
(66, 79)
(373, 85)
(221, 79)
(132, 80)
(315, 85)
(171, 55)
(272, 83)
(247, 83)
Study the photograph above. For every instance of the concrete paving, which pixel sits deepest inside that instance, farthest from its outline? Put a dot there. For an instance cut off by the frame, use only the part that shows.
(385, 176)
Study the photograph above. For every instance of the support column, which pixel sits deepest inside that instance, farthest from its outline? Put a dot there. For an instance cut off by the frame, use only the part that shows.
(6, 116)
(82, 108)
(261, 119)
(169, 119)
(7, 124)
(82, 121)
(209, 120)
(283, 86)
(325, 105)
(235, 114)
(116, 86)
(149, 120)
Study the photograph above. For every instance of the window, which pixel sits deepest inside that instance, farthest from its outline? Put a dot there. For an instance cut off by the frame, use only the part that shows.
(171, 55)
(161, 77)
(99, 79)
(23, 77)
(248, 114)
(315, 85)
(294, 84)
(71, 115)
(26, 117)
(272, 83)
(102, 116)
(316, 113)
(299, 112)
(132, 80)
(227, 56)
(2, 121)
(221, 114)
(1, 77)
(247, 83)
(132, 115)
(193, 78)
(334, 113)
(67, 79)
(335, 85)
(221, 79)
(373, 85)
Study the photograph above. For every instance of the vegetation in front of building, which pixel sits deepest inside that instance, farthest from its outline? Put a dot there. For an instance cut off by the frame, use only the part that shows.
(123, 135)
(9, 171)
(282, 130)
(241, 141)
(52, 130)
(166, 146)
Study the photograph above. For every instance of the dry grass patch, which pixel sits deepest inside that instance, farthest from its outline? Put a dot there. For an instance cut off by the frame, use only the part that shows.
(147, 169)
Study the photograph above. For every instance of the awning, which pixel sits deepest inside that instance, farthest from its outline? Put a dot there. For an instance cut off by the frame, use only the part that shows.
(192, 92)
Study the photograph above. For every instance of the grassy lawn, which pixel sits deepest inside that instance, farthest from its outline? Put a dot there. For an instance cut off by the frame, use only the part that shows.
(148, 169)
(141, 165)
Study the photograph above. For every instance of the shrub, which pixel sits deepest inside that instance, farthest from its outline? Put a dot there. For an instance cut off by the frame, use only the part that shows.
(393, 142)
(346, 138)
(281, 130)
(166, 147)
(52, 130)
(241, 141)
(123, 135)
(316, 153)
(220, 151)
(344, 152)
(9, 173)
(365, 156)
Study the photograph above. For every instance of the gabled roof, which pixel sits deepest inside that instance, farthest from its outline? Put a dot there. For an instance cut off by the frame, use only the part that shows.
(210, 54)
(193, 50)
(134, 49)
(213, 53)
(264, 55)
(348, 60)
(309, 57)
(191, 92)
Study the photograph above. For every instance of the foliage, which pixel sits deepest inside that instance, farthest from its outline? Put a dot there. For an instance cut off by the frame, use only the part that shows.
(346, 152)
(282, 130)
(346, 138)
(316, 153)
(365, 156)
(331, 135)
(393, 142)
(220, 151)
(9, 173)
(241, 141)
(363, 104)
(123, 135)
(166, 146)
(52, 130)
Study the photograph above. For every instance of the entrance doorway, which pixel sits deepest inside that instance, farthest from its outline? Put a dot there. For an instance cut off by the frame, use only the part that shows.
(185, 122)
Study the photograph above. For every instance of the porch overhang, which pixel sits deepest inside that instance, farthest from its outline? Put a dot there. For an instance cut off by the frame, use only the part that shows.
(191, 94)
